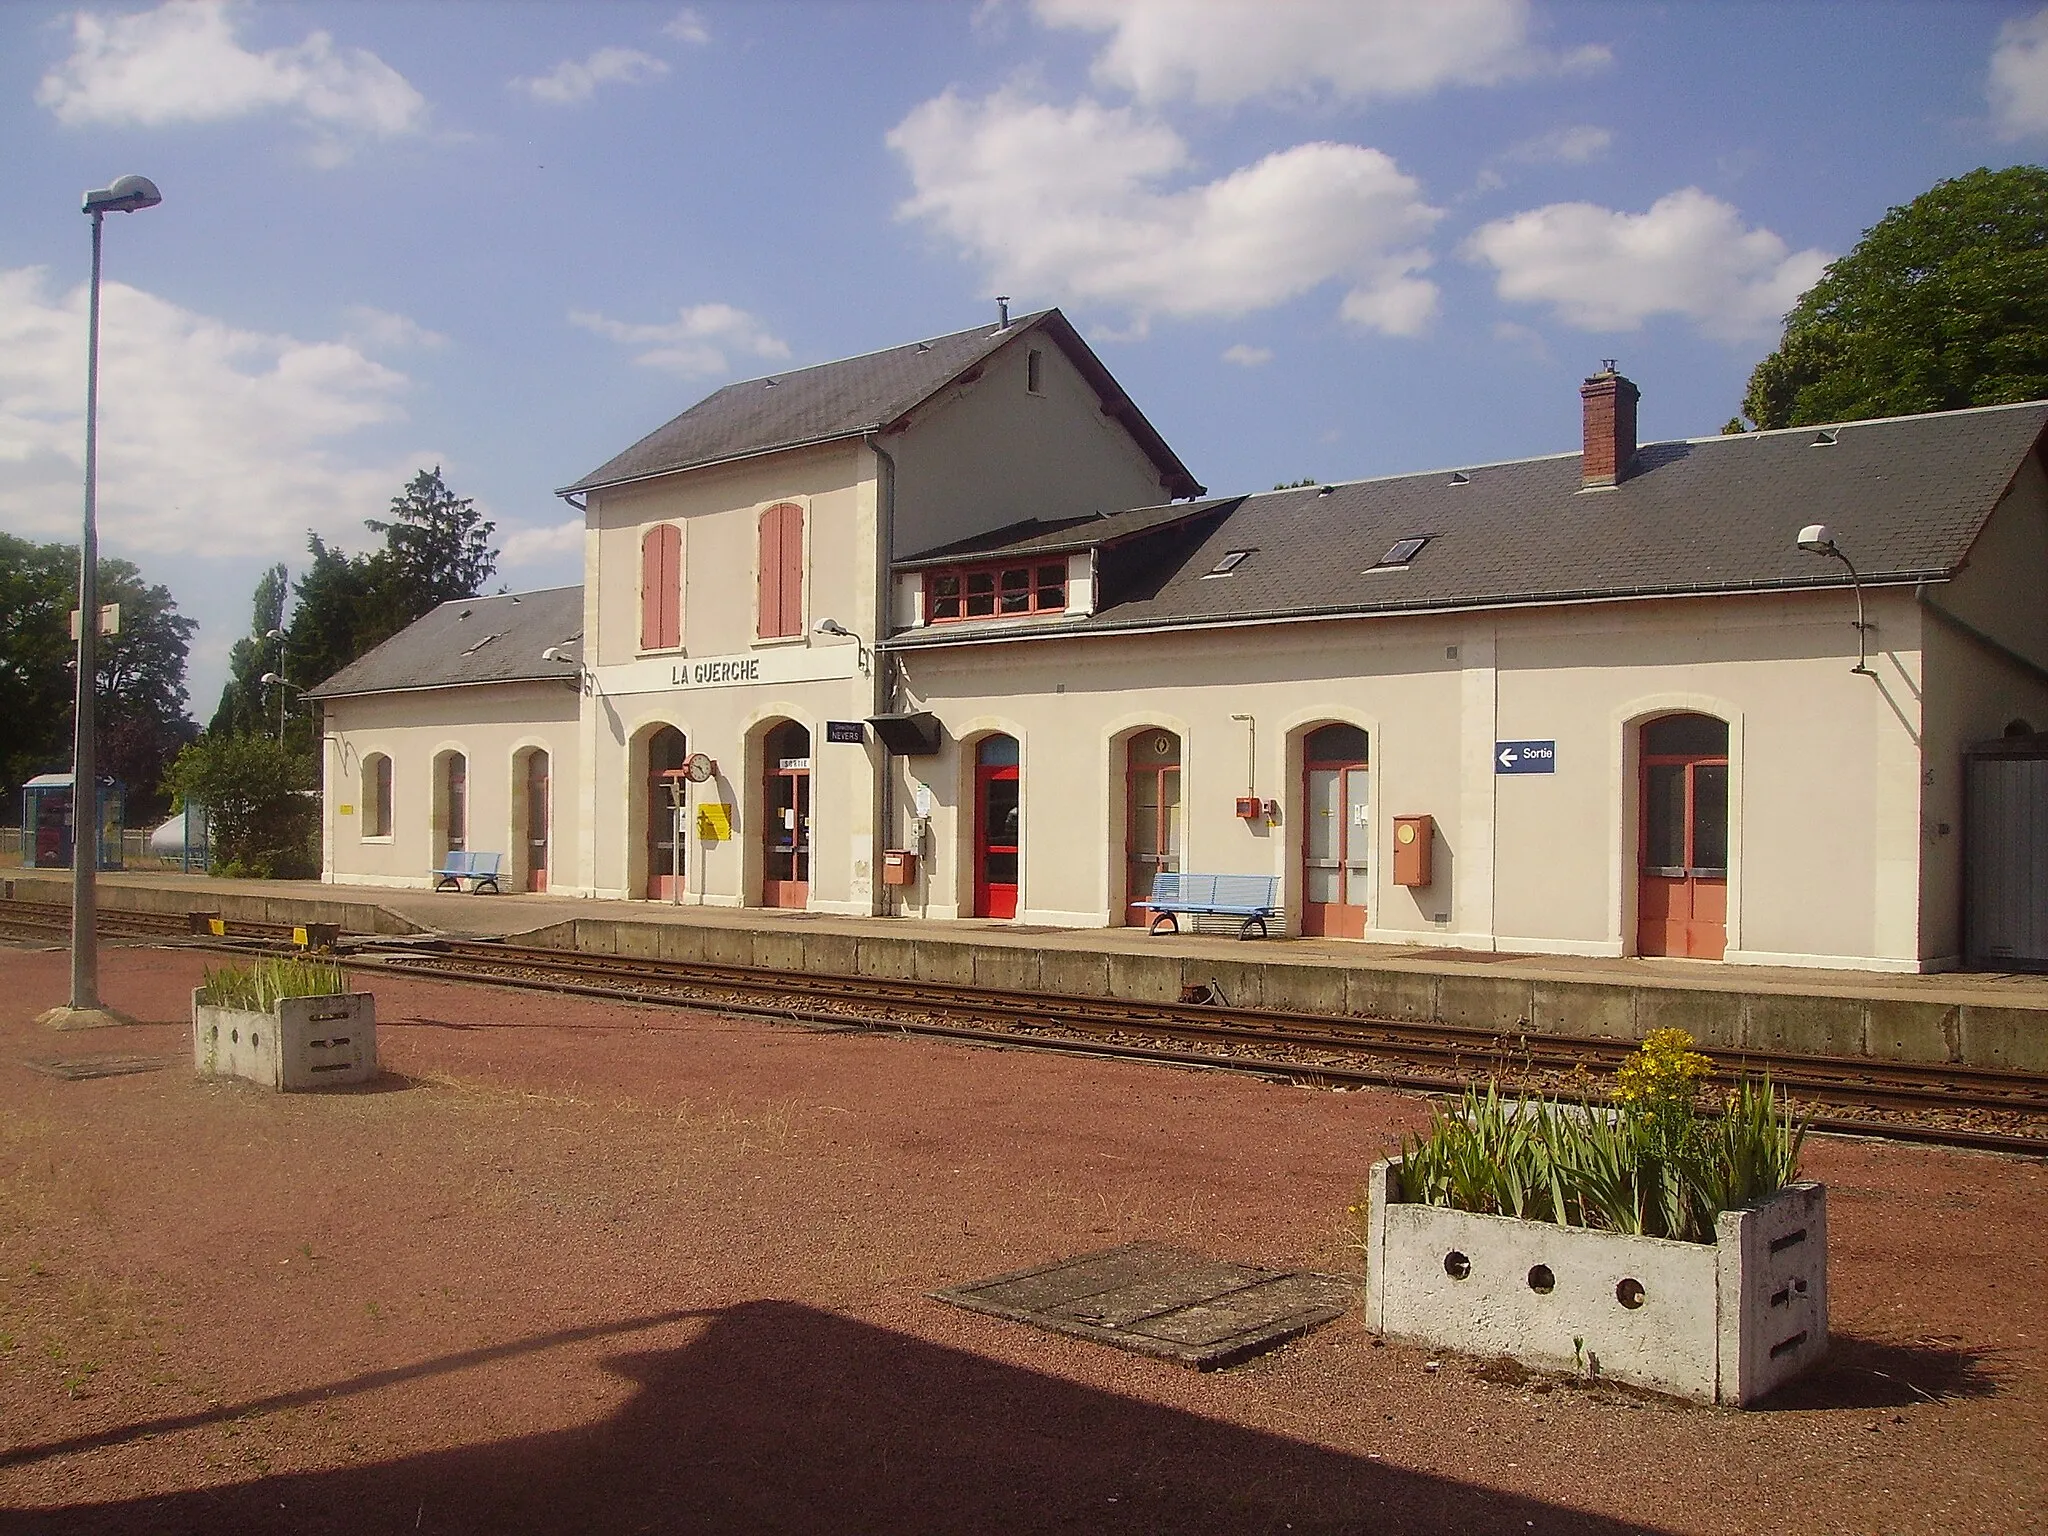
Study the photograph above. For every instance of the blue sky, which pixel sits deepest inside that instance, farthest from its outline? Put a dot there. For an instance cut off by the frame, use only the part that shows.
(1311, 238)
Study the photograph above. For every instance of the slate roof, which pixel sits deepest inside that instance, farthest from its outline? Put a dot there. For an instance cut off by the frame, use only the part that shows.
(470, 640)
(1905, 497)
(844, 399)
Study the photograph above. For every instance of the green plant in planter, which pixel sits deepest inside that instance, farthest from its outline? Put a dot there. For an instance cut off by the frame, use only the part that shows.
(1656, 1164)
(257, 988)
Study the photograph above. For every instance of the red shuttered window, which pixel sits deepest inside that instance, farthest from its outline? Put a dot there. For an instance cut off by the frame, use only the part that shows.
(782, 571)
(661, 588)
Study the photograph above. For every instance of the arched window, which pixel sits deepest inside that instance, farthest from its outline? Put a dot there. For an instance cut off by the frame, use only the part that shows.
(781, 606)
(454, 790)
(661, 588)
(376, 795)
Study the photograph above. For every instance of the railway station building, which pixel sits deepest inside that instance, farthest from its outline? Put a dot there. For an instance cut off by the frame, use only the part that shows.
(950, 631)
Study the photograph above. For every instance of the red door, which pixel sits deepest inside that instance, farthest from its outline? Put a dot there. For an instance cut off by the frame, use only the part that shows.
(998, 807)
(1336, 833)
(667, 849)
(1151, 817)
(537, 821)
(1682, 880)
(786, 837)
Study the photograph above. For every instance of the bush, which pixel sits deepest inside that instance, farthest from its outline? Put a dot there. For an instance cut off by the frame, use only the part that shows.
(1657, 1164)
(257, 988)
(264, 816)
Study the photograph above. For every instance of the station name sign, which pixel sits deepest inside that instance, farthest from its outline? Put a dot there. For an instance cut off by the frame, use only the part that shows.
(783, 664)
(1525, 757)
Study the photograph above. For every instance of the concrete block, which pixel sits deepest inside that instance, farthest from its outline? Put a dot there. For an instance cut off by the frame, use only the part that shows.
(830, 954)
(597, 936)
(1378, 994)
(1074, 973)
(728, 946)
(553, 936)
(1813, 1026)
(1008, 967)
(887, 957)
(1242, 984)
(1485, 1002)
(1584, 1010)
(682, 942)
(1145, 978)
(1725, 1321)
(307, 1043)
(778, 949)
(2013, 1038)
(952, 964)
(1896, 1029)
(639, 941)
(1317, 989)
(1714, 1019)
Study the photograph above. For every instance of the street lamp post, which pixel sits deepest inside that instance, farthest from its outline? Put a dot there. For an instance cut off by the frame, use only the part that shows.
(128, 195)
(279, 637)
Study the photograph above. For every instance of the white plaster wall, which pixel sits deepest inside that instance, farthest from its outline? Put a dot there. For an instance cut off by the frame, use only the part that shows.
(1999, 590)
(489, 724)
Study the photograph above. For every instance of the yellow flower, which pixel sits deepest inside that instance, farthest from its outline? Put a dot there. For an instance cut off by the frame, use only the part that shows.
(1664, 1069)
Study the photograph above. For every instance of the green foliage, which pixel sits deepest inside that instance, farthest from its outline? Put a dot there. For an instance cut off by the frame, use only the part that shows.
(257, 988)
(1295, 485)
(1654, 1166)
(141, 701)
(437, 544)
(242, 709)
(259, 797)
(1942, 304)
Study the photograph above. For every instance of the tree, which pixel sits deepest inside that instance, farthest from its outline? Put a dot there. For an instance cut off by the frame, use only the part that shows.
(1942, 304)
(439, 547)
(242, 700)
(262, 814)
(37, 587)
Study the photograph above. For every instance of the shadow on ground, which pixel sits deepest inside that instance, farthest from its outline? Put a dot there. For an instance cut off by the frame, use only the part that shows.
(782, 1418)
(1879, 1373)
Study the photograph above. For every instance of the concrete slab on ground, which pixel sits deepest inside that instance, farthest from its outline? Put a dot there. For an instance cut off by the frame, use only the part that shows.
(1162, 1301)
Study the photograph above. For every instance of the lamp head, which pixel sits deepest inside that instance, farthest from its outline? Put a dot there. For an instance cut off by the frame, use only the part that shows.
(271, 679)
(833, 627)
(552, 653)
(1818, 539)
(126, 195)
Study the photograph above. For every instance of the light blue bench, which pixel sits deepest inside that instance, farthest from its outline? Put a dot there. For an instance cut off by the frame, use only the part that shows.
(1254, 898)
(479, 869)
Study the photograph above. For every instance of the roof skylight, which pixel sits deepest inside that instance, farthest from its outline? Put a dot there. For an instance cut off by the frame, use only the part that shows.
(1398, 557)
(1229, 563)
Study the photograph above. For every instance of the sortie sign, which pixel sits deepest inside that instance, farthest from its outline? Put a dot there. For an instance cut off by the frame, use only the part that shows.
(1525, 757)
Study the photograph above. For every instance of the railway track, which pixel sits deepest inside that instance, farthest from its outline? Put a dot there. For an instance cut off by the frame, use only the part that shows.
(1937, 1103)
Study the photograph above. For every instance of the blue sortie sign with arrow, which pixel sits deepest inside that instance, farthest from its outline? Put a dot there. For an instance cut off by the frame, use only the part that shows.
(1525, 757)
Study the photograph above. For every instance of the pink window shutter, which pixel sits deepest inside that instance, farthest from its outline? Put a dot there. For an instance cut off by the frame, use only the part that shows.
(661, 588)
(792, 570)
(770, 596)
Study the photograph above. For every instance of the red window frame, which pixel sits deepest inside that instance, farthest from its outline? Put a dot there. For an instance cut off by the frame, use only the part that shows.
(661, 588)
(1007, 591)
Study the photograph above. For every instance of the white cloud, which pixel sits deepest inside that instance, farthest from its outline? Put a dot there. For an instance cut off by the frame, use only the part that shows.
(1072, 201)
(702, 339)
(181, 63)
(542, 546)
(380, 330)
(686, 26)
(1222, 51)
(1248, 356)
(1689, 255)
(213, 440)
(570, 82)
(2018, 87)
(1563, 146)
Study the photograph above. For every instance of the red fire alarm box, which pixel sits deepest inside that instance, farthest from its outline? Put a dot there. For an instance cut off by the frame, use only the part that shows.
(1251, 808)
(1414, 841)
(899, 867)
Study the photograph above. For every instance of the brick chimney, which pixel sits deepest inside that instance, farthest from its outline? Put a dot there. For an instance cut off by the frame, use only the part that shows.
(1610, 409)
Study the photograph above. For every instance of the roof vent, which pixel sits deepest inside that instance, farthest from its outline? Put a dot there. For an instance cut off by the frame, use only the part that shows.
(1229, 563)
(1397, 558)
(1825, 438)
(1002, 311)
(1459, 477)
(487, 639)
(770, 383)
(924, 346)
(1326, 490)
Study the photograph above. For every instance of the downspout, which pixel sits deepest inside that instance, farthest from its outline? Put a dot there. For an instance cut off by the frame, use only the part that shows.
(883, 678)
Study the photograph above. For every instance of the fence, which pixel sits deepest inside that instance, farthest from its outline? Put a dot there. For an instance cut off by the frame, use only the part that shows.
(135, 851)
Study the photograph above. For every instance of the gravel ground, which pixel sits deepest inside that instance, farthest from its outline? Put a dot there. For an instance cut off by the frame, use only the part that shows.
(576, 1266)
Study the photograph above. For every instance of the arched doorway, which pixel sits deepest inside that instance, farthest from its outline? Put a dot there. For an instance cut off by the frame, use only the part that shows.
(786, 826)
(998, 807)
(1152, 816)
(1336, 840)
(530, 821)
(1682, 847)
(667, 839)
(450, 808)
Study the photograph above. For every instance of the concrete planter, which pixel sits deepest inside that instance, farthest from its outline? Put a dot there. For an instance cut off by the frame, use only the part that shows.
(1721, 1322)
(307, 1042)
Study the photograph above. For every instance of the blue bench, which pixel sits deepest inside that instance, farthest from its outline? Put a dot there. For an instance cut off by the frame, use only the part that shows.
(479, 869)
(1254, 898)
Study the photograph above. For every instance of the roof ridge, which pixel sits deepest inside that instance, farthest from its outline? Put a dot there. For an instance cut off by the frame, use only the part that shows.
(1016, 324)
(1865, 421)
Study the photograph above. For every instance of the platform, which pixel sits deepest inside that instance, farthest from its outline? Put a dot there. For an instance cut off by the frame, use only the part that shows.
(1970, 1018)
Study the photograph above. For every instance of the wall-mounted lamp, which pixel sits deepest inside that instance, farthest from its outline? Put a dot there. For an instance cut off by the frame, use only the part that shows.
(561, 655)
(834, 627)
(1819, 539)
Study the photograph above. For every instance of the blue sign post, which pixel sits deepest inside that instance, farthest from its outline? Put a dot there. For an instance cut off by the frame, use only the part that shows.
(1525, 757)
